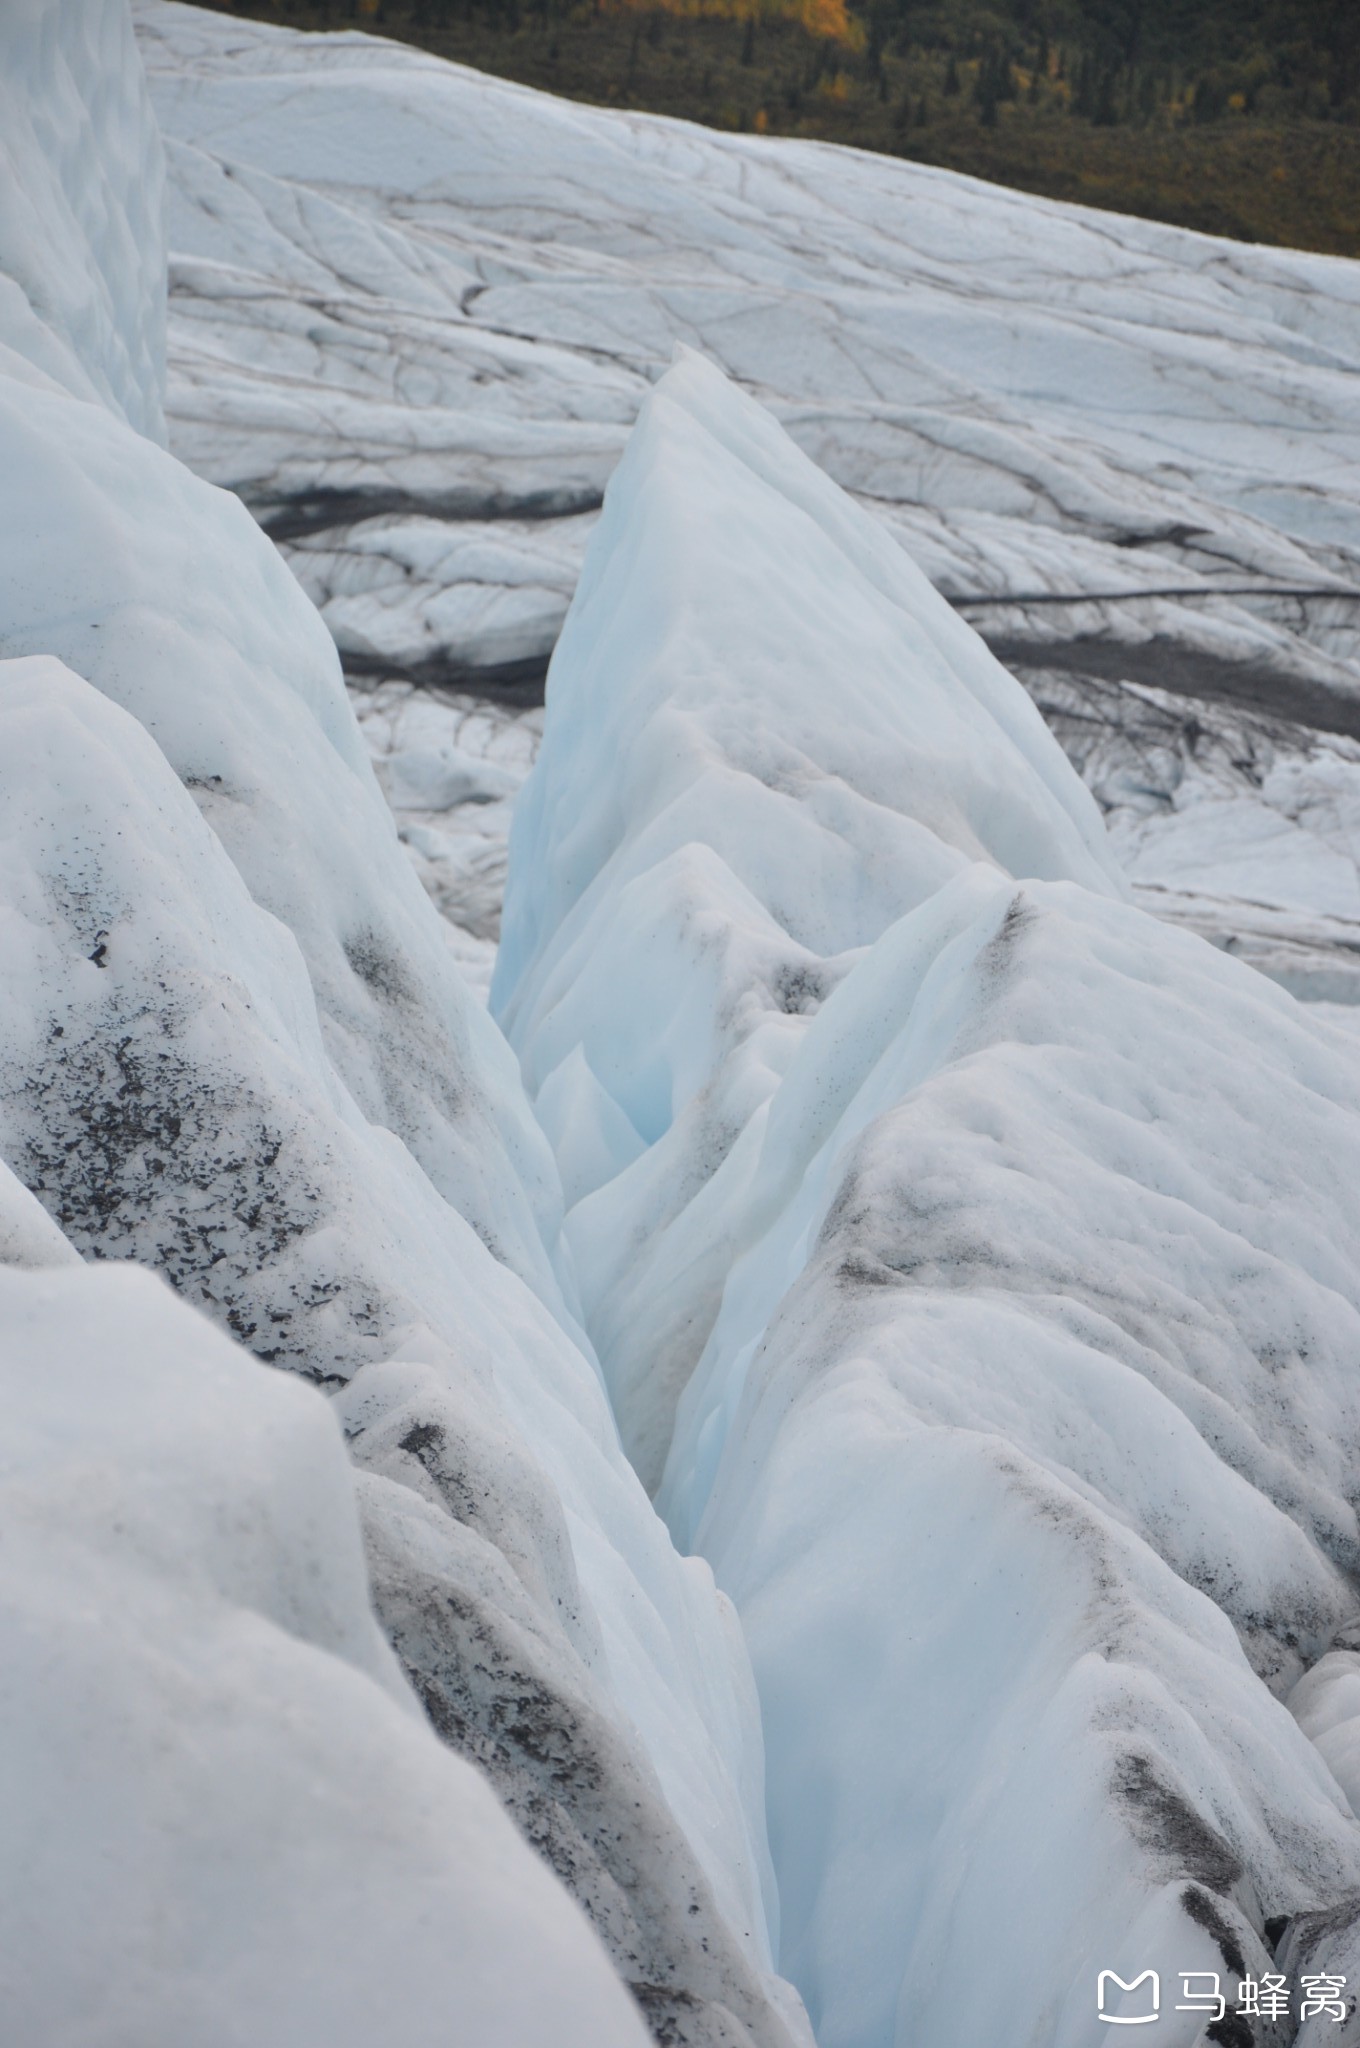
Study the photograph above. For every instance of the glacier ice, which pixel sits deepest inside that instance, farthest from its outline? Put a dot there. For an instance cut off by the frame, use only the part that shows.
(972, 1258)
(699, 825)
(237, 1051)
(1231, 821)
(967, 1257)
(222, 1819)
(82, 240)
(1126, 451)
(1326, 1705)
(186, 616)
(451, 767)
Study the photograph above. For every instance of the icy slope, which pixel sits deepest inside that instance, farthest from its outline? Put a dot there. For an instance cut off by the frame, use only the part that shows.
(1044, 363)
(163, 593)
(414, 310)
(992, 1245)
(165, 1092)
(236, 1050)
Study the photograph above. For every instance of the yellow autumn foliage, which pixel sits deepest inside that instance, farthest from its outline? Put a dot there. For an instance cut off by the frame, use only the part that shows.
(828, 18)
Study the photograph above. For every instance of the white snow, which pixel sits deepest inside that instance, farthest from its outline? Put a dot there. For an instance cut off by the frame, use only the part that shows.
(991, 1245)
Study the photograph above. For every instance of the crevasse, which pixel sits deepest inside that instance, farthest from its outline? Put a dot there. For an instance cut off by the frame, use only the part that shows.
(236, 1052)
(968, 1262)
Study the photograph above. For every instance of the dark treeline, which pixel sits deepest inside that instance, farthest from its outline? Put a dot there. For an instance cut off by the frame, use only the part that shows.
(1109, 61)
(1114, 60)
(1239, 116)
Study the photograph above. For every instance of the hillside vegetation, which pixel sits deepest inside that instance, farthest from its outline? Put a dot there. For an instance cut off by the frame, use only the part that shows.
(1241, 117)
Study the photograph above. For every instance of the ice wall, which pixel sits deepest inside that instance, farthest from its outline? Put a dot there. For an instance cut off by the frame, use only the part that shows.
(236, 1051)
(736, 796)
(972, 1257)
(162, 592)
(165, 1092)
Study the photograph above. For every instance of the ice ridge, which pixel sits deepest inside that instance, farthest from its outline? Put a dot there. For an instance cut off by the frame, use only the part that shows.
(236, 1052)
(970, 1255)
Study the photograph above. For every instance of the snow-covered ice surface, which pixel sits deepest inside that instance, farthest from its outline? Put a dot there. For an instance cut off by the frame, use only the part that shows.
(969, 1259)
(1240, 824)
(973, 1259)
(237, 1050)
(413, 311)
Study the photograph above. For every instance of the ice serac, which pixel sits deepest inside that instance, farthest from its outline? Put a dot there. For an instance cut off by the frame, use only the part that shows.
(82, 240)
(726, 816)
(236, 1051)
(997, 1246)
(223, 1818)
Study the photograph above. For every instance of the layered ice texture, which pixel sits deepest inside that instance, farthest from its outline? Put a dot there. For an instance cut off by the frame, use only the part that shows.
(236, 1051)
(966, 1260)
(972, 1259)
